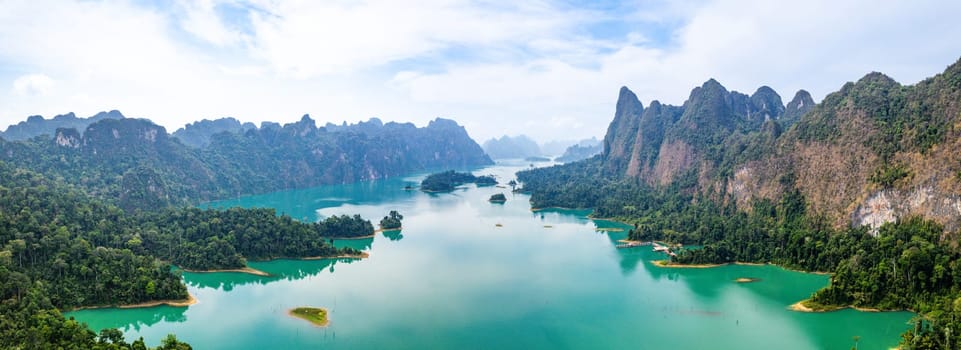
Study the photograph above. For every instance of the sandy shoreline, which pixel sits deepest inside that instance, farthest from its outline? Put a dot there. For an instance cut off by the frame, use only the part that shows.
(175, 303)
(668, 264)
(800, 307)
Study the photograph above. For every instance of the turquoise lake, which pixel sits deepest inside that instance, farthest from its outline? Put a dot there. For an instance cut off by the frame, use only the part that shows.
(468, 274)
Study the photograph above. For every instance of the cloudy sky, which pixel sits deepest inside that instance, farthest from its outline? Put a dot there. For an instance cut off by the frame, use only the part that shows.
(549, 69)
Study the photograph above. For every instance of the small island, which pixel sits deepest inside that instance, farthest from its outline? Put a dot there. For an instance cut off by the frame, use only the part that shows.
(497, 198)
(537, 159)
(448, 180)
(315, 315)
(391, 222)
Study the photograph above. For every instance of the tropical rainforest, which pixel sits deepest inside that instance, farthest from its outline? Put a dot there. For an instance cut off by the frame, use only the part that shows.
(864, 185)
(105, 217)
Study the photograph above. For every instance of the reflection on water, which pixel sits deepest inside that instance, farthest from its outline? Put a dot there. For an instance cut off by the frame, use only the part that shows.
(394, 235)
(131, 319)
(279, 270)
(466, 273)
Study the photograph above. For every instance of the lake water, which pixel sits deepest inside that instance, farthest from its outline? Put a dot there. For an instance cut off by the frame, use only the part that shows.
(453, 278)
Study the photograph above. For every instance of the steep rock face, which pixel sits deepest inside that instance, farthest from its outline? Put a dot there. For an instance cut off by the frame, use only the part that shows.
(619, 140)
(650, 135)
(35, 125)
(799, 105)
(661, 142)
(68, 138)
(871, 153)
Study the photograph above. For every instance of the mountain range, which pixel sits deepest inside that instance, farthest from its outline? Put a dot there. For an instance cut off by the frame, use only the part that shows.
(140, 166)
(872, 152)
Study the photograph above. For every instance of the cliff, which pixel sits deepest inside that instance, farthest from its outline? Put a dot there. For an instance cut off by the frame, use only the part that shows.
(873, 152)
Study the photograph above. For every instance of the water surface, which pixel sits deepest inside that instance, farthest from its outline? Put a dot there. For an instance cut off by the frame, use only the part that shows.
(453, 278)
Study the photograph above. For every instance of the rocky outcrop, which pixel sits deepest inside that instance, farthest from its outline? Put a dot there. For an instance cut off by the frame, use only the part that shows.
(873, 152)
(36, 125)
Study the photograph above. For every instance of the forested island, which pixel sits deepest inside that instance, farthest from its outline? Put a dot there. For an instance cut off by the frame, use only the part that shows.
(392, 221)
(448, 180)
(753, 180)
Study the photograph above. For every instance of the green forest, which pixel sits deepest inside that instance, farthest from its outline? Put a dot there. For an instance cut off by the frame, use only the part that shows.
(908, 265)
(136, 165)
(448, 180)
(63, 249)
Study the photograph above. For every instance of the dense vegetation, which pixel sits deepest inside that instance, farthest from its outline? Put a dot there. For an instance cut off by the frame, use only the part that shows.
(198, 239)
(392, 221)
(870, 136)
(62, 249)
(909, 265)
(136, 165)
(448, 180)
(498, 198)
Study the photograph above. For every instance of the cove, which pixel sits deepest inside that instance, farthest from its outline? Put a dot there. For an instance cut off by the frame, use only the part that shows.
(467, 273)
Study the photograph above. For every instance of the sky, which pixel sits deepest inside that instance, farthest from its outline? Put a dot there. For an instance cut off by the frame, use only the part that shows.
(547, 69)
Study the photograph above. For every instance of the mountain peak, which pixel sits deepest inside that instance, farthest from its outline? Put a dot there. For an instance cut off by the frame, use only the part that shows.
(627, 103)
(877, 78)
(713, 84)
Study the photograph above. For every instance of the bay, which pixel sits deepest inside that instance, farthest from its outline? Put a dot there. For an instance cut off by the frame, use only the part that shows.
(467, 273)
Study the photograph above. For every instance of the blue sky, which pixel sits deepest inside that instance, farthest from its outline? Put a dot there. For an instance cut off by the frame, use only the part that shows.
(549, 69)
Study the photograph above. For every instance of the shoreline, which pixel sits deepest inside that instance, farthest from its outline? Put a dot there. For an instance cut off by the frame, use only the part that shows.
(382, 230)
(191, 300)
(550, 208)
(801, 307)
(670, 265)
(246, 269)
(362, 255)
(372, 235)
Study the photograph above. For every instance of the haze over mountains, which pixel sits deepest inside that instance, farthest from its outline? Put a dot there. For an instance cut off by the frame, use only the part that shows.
(138, 164)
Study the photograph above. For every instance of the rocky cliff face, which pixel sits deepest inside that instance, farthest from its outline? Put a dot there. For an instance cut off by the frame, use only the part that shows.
(661, 142)
(36, 125)
(871, 153)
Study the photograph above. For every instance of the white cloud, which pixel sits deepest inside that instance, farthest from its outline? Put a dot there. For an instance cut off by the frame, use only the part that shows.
(202, 21)
(306, 39)
(535, 66)
(33, 85)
